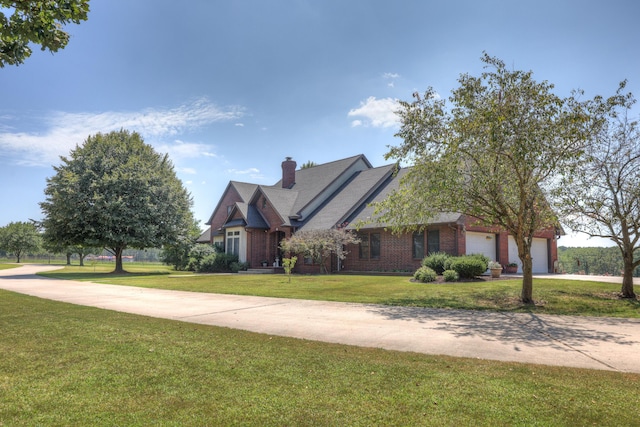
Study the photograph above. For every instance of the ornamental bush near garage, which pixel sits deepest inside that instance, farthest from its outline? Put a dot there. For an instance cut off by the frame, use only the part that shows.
(450, 276)
(468, 266)
(436, 261)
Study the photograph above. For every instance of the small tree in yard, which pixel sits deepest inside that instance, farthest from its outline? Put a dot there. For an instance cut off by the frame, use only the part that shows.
(494, 155)
(320, 244)
(116, 192)
(288, 264)
(20, 238)
(602, 198)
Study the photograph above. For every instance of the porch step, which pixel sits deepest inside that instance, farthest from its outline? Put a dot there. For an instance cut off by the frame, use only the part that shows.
(265, 270)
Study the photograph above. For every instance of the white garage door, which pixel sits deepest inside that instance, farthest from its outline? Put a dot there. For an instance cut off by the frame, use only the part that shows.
(539, 255)
(481, 243)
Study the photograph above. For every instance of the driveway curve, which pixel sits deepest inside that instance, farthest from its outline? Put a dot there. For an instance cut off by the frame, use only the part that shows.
(582, 342)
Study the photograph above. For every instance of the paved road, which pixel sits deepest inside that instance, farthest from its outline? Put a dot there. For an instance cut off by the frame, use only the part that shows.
(593, 343)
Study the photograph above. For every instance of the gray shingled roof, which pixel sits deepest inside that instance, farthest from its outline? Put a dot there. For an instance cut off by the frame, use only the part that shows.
(310, 182)
(348, 198)
(349, 202)
(245, 189)
(363, 218)
(205, 236)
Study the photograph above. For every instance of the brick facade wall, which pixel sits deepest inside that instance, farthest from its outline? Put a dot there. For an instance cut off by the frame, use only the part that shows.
(396, 251)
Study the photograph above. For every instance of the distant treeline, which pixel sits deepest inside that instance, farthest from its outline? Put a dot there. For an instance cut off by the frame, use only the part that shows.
(598, 261)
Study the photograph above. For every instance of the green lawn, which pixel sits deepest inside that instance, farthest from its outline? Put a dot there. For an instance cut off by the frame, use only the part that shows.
(553, 296)
(64, 364)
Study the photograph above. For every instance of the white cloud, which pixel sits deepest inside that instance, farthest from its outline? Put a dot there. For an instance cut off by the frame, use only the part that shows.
(62, 131)
(392, 77)
(377, 112)
(243, 172)
(252, 173)
(185, 150)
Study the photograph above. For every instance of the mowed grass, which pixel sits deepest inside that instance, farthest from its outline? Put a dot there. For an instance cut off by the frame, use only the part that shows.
(64, 364)
(553, 296)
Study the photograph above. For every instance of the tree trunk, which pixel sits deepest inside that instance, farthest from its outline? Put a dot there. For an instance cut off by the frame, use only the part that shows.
(527, 279)
(118, 254)
(524, 253)
(627, 278)
(68, 258)
(81, 255)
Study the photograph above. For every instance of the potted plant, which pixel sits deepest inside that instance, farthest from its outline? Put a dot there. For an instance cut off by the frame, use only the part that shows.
(496, 269)
(511, 268)
(265, 263)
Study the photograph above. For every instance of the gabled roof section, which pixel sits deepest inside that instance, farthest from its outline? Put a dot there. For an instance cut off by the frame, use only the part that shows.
(251, 217)
(312, 190)
(316, 184)
(255, 219)
(283, 201)
(205, 236)
(351, 197)
(243, 189)
(365, 217)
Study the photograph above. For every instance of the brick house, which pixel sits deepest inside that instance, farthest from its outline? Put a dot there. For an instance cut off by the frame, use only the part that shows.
(250, 220)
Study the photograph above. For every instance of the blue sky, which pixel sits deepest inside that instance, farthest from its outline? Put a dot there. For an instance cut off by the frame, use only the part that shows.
(230, 88)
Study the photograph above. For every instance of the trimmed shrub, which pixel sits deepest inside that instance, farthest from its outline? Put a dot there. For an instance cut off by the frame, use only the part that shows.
(217, 263)
(450, 276)
(425, 275)
(468, 266)
(436, 261)
(197, 253)
(238, 266)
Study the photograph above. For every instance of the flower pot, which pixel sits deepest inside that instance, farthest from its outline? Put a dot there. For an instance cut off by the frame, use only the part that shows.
(495, 272)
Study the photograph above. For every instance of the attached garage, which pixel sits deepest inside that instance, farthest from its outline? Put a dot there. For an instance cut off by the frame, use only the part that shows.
(539, 255)
(481, 243)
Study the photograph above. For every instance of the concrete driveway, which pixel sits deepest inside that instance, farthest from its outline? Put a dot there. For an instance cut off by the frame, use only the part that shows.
(583, 342)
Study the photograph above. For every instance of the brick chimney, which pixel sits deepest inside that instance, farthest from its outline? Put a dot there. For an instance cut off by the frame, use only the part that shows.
(288, 172)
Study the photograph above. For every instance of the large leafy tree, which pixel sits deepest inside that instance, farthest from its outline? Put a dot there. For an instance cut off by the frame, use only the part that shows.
(492, 155)
(19, 238)
(116, 192)
(602, 198)
(38, 22)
